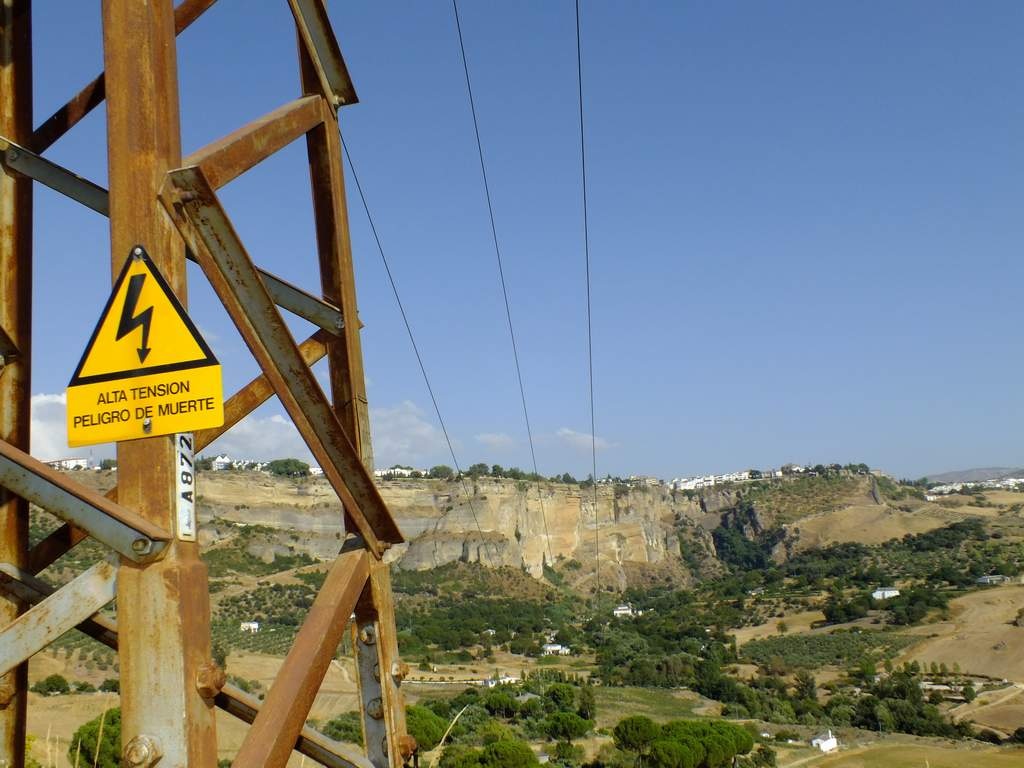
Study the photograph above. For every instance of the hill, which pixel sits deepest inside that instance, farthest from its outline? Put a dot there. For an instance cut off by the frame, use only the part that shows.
(978, 475)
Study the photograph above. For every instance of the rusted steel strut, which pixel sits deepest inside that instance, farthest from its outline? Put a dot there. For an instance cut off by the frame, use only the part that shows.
(167, 204)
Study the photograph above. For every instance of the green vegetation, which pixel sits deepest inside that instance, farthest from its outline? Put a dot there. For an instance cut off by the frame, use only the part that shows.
(53, 685)
(841, 649)
(99, 741)
(288, 468)
(680, 743)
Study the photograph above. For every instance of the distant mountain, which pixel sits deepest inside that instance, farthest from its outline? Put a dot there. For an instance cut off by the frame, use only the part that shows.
(976, 475)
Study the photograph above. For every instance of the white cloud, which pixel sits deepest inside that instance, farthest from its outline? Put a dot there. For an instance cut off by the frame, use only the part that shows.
(262, 438)
(496, 440)
(402, 436)
(580, 440)
(49, 427)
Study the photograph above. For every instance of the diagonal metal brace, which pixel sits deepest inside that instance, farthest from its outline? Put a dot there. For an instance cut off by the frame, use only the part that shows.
(194, 207)
(322, 46)
(62, 611)
(23, 161)
(234, 701)
(121, 529)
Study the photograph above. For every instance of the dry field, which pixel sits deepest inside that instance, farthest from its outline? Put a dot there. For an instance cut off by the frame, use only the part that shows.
(979, 635)
(895, 755)
(868, 524)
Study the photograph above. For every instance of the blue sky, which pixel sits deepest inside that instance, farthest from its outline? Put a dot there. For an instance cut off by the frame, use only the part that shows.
(805, 226)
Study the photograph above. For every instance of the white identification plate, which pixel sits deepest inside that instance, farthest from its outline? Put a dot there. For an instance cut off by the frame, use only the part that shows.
(185, 486)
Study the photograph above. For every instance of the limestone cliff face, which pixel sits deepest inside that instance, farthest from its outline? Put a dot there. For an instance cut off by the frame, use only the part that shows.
(504, 522)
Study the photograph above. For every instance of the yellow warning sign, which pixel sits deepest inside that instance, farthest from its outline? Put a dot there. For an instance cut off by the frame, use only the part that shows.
(146, 370)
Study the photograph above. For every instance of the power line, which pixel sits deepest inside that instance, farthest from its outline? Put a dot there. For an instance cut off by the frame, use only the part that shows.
(590, 332)
(501, 275)
(412, 340)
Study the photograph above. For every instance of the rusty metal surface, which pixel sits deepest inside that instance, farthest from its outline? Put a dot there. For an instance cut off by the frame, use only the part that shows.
(228, 158)
(16, 322)
(310, 743)
(20, 160)
(231, 699)
(92, 195)
(163, 607)
(322, 46)
(118, 527)
(256, 392)
(93, 94)
(337, 275)
(380, 672)
(60, 612)
(33, 591)
(54, 546)
(195, 209)
(270, 740)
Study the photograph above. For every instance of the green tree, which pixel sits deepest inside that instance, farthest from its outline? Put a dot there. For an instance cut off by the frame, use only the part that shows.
(108, 464)
(441, 472)
(969, 693)
(424, 726)
(288, 467)
(566, 726)
(636, 734)
(508, 754)
(477, 470)
(671, 754)
(345, 727)
(111, 685)
(52, 686)
(586, 703)
(107, 744)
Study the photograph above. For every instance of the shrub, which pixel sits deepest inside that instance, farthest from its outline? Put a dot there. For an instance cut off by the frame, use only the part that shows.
(100, 749)
(51, 686)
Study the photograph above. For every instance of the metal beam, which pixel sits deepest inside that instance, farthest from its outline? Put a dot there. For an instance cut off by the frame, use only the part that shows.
(16, 322)
(228, 158)
(236, 408)
(26, 163)
(270, 740)
(92, 95)
(61, 612)
(256, 392)
(119, 528)
(194, 207)
(32, 591)
(232, 700)
(318, 37)
(310, 743)
(164, 606)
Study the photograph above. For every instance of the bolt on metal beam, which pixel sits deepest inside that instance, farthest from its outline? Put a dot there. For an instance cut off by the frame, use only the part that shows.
(317, 35)
(119, 528)
(204, 225)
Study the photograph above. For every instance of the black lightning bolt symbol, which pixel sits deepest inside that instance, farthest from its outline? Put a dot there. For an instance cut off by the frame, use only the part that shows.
(130, 321)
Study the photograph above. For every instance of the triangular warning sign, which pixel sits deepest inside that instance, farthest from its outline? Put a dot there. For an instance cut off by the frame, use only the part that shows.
(146, 370)
(143, 330)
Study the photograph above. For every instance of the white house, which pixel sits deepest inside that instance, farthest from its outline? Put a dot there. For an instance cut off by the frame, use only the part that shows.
(555, 649)
(396, 471)
(826, 742)
(76, 463)
(623, 610)
(315, 471)
(222, 462)
(249, 626)
(885, 593)
(494, 682)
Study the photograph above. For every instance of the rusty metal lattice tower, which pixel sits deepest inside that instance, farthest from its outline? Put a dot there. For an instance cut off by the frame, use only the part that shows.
(168, 205)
